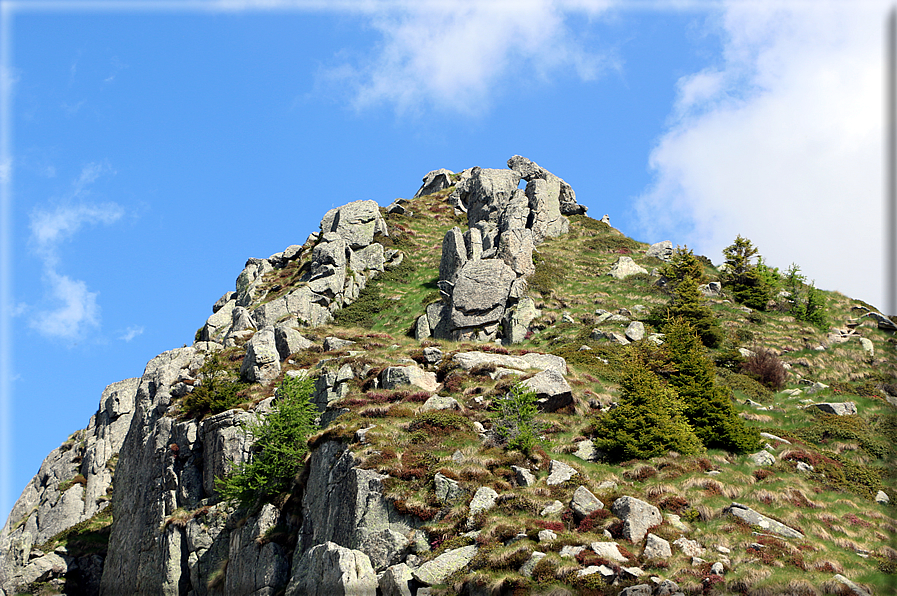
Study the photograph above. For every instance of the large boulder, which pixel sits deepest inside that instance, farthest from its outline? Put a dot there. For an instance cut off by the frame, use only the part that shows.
(481, 293)
(397, 376)
(332, 570)
(847, 408)
(262, 361)
(530, 170)
(437, 570)
(357, 223)
(624, 267)
(551, 389)
(638, 517)
(545, 208)
(753, 518)
(434, 182)
(488, 193)
(661, 250)
(454, 254)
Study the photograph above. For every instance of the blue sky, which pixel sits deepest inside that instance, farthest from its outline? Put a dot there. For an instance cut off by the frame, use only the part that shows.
(150, 148)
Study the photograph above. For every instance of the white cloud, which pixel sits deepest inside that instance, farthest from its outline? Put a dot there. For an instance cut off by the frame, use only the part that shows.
(77, 308)
(452, 55)
(49, 228)
(781, 143)
(131, 332)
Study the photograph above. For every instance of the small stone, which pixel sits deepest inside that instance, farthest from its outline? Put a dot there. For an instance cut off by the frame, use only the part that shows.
(882, 497)
(762, 458)
(570, 551)
(559, 472)
(657, 548)
(527, 568)
(609, 551)
(547, 536)
(804, 467)
(716, 568)
(523, 476)
(584, 502)
(552, 508)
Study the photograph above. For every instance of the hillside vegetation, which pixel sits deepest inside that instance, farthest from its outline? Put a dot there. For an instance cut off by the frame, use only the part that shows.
(689, 394)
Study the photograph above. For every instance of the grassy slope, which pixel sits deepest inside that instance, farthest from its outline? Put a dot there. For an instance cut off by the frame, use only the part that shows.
(846, 531)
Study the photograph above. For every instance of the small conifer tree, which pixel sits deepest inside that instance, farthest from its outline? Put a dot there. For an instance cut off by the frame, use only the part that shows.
(280, 444)
(748, 284)
(687, 303)
(647, 421)
(707, 407)
(683, 264)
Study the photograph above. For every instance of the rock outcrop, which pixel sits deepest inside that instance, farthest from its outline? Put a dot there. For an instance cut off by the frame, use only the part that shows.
(483, 270)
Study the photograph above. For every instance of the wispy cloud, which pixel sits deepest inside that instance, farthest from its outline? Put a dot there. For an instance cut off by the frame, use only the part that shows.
(781, 142)
(455, 55)
(75, 307)
(131, 332)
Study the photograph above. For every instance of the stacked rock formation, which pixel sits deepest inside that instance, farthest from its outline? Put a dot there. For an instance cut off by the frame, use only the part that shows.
(483, 270)
(344, 256)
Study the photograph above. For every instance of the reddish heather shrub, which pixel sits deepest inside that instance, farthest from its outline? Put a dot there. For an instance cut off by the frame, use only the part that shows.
(554, 526)
(762, 474)
(674, 504)
(853, 520)
(418, 396)
(590, 522)
(765, 367)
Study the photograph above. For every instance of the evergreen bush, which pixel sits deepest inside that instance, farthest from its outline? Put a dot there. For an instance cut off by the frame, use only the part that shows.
(514, 418)
(748, 283)
(280, 444)
(647, 421)
(707, 407)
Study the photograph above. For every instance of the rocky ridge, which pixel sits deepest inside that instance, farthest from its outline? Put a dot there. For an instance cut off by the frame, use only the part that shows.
(347, 527)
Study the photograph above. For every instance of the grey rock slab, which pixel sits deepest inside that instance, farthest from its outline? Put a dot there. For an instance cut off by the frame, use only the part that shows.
(609, 551)
(398, 376)
(657, 548)
(469, 360)
(552, 508)
(437, 570)
(570, 551)
(757, 519)
(546, 362)
(624, 267)
(481, 292)
(515, 248)
(847, 408)
(637, 590)
(526, 569)
(762, 458)
(523, 476)
(384, 547)
(332, 344)
(439, 402)
(434, 182)
(447, 489)
(289, 341)
(882, 497)
(454, 254)
(661, 250)
(332, 570)
(262, 361)
(547, 536)
(517, 320)
(483, 500)
(559, 472)
(635, 331)
(854, 588)
(638, 517)
(551, 389)
(717, 569)
(584, 502)
(585, 450)
(396, 581)
(690, 548)
(356, 222)
(666, 588)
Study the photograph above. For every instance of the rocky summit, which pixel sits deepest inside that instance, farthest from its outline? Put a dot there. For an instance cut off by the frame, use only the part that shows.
(482, 390)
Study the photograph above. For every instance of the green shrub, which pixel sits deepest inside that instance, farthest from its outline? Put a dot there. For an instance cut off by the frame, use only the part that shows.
(514, 418)
(750, 387)
(647, 421)
(219, 389)
(683, 264)
(707, 407)
(749, 283)
(279, 444)
(688, 304)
